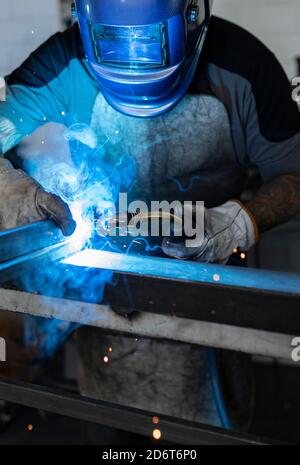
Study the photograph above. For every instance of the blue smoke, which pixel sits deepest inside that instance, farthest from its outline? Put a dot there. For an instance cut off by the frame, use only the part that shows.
(90, 184)
(46, 335)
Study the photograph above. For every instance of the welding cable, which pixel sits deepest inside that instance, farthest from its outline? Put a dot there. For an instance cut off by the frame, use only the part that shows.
(159, 215)
(217, 389)
(130, 220)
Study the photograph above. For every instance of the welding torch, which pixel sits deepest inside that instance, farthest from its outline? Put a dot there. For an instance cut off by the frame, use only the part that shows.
(125, 222)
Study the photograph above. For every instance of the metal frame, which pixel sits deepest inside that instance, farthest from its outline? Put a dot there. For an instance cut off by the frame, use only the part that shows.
(18, 242)
(115, 416)
(263, 307)
(151, 325)
(227, 304)
(244, 297)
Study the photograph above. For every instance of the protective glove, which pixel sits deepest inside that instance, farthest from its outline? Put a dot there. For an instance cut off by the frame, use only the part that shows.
(226, 228)
(24, 201)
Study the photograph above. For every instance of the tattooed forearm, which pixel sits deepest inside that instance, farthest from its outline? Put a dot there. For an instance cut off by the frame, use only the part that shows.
(277, 201)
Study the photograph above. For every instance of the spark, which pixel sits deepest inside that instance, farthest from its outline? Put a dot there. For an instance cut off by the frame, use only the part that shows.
(110, 349)
(155, 420)
(243, 256)
(106, 359)
(157, 434)
(216, 277)
(30, 427)
(84, 229)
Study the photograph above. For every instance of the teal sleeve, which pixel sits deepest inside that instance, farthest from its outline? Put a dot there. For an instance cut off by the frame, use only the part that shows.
(52, 85)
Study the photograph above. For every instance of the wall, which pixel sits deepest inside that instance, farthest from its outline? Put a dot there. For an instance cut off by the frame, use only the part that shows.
(24, 25)
(276, 22)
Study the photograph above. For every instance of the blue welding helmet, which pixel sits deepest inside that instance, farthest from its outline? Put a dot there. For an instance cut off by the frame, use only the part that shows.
(143, 52)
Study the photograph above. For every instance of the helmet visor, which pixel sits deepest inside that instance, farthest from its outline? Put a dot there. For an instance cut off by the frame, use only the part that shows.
(131, 47)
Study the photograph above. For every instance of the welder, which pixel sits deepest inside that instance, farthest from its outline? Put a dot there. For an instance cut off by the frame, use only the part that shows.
(191, 96)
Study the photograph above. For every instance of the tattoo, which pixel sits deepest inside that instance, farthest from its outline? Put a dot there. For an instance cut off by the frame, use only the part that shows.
(277, 201)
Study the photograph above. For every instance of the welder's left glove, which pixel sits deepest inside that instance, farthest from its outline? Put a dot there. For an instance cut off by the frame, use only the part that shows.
(24, 201)
(226, 228)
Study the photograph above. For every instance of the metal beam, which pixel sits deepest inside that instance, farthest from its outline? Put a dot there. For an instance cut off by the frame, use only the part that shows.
(14, 269)
(115, 416)
(170, 290)
(150, 325)
(233, 296)
(188, 271)
(211, 293)
(18, 242)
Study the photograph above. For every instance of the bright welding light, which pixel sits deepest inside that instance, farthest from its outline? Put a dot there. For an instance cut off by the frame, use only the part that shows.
(84, 227)
(90, 258)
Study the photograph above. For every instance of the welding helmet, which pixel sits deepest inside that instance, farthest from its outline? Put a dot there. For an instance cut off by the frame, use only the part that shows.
(143, 52)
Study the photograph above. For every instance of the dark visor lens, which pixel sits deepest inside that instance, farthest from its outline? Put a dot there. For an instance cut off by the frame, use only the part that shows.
(131, 46)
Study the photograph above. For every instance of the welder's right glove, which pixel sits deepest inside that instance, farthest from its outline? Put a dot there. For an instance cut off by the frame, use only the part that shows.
(24, 201)
(228, 227)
